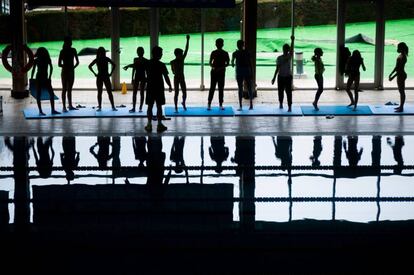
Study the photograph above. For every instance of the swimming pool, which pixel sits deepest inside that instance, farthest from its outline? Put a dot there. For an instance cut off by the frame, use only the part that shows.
(276, 178)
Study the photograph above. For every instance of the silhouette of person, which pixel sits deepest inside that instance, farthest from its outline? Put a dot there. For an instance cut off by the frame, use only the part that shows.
(177, 67)
(218, 152)
(66, 57)
(344, 54)
(70, 157)
(17, 70)
(155, 161)
(103, 155)
(352, 153)
(337, 158)
(283, 151)
(156, 72)
(139, 76)
(102, 77)
(43, 80)
(243, 71)
(177, 156)
(244, 155)
(44, 161)
(400, 73)
(284, 74)
(319, 69)
(317, 150)
(219, 60)
(397, 152)
(140, 152)
(352, 70)
(376, 151)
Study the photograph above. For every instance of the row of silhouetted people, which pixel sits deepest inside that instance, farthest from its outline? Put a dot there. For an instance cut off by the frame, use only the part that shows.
(148, 76)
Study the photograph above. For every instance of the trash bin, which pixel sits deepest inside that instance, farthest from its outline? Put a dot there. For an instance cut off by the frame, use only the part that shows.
(299, 62)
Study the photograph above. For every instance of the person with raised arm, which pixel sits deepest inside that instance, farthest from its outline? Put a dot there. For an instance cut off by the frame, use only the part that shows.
(177, 67)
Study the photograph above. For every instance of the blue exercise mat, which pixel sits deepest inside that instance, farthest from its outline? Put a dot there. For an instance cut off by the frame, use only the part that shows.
(199, 111)
(122, 112)
(268, 110)
(389, 110)
(336, 111)
(44, 94)
(33, 113)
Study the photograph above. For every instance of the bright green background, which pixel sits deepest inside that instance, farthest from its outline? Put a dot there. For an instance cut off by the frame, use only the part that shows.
(268, 40)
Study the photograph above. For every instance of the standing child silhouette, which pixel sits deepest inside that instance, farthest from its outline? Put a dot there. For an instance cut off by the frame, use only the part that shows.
(66, 57)
(400, 73)
(43, 80)
(138, 78)
(243, 71)
(352, 70)
(156, 72)
(177, 67)
(102, 77)
(219, 60)
(319, 69)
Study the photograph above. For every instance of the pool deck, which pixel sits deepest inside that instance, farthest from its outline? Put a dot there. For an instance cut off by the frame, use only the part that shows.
(14, 123)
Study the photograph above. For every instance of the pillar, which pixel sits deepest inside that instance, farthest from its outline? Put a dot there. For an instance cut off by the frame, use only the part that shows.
(250, 33)
(115, 47)
(379, 45)
(202, 30)
(340, 40)
(19, 89)
(154, 27)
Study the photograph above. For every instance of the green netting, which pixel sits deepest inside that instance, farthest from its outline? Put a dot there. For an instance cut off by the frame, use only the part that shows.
(268, 42)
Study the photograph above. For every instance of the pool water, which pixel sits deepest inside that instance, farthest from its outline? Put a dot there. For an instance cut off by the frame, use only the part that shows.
(353, 178)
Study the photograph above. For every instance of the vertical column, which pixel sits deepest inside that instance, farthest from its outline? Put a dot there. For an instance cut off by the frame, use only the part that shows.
(203, 29)
(379, 45)
(20, 147)
(18, 56)
(115, 48)
(250, 33)
(340, 40)
(292, 25)
(154, 27)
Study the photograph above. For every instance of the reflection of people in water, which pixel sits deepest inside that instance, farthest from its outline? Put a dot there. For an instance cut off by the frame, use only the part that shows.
(70, 157)
(317, 149)
(376, 151)
(352, 153)
(103, 155)
(283, 151)
(177, 156)
(397, 151)
(337, 159)
(44, 161)
(139, 144)
(244, 154)
(19, 163)
(218, 152)
(155, 161)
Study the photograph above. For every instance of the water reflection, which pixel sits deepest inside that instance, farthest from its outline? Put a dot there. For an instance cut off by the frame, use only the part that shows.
(70, 157)
(277, 171)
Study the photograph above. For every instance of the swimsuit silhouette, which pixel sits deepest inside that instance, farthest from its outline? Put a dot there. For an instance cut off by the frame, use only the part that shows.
(139, 78)
(177, 67)
(243, 71)
(352, 71)
(400, 73)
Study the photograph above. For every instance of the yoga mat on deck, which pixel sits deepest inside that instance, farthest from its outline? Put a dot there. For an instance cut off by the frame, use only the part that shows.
(44, 94)
(335, 110)
(268, 110)
(122, 112)
(389, 110)
(33, 113)
(199, 111)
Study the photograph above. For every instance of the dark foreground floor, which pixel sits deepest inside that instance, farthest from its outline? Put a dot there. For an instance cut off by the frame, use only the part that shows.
(302, 247)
